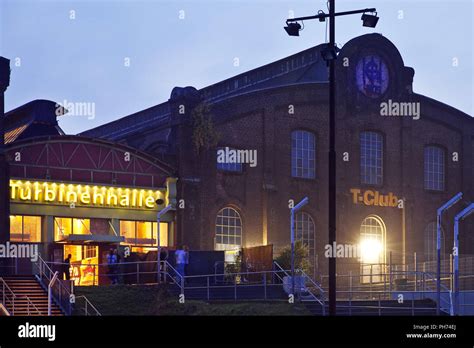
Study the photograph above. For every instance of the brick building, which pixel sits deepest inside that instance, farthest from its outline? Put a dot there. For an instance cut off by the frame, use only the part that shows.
(400, 155)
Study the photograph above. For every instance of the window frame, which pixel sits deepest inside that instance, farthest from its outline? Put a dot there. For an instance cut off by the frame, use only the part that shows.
(222, 225)
(23, 229)
(382, 158)
(444, 152)
(310, 132)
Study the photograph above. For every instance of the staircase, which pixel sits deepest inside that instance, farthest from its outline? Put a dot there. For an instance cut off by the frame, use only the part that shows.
(29, 297)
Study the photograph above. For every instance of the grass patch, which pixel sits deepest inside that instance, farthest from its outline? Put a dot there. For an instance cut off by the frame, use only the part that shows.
(155, 300)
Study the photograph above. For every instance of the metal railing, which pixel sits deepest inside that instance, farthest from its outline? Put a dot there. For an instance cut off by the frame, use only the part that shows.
(310, 291)
(88, 309)
(9, 299)
(61, 294)
(417, 285)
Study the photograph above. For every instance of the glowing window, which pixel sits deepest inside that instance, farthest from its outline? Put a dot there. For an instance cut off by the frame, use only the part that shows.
(372, 240)
(25, 228)
(66, 226)
(434, 168)
(143, 232)
(371, 158)
(303, 154)
(228, 229)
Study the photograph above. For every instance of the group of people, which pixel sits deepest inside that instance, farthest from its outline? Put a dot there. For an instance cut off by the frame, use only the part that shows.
(113, 260)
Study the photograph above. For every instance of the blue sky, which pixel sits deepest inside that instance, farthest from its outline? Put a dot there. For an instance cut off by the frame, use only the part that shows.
(82, 59)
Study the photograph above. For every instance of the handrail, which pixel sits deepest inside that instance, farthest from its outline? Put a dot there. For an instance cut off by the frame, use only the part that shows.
(12, 301)
(42, 266)
(86, 300)
(31, 303)
(15, 297)
(181, 278)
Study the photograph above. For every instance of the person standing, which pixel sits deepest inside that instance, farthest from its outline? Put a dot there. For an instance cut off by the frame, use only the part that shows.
(180, 258)
(112, 263)
(66, 267)
(117, 266)
(186, 260)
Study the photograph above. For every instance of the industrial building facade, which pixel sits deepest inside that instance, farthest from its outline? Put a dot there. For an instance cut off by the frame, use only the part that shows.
(245, 149)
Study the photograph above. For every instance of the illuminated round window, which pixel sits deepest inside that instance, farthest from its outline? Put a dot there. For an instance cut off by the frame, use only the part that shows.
(372, 76)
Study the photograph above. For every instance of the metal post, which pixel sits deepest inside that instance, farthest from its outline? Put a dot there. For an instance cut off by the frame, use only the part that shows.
(451, 272)
(297, 207)
(403, 234)
(265, 285)
(158, 246)
(138, 273)
(235, 290)
(439, 213)
(416, 271)
(50, 296)
(208, 295)
(380, 309)
(4, 167)
(390, 273)
(158, 249)
(350, 292)
(332, 160)
(459, 217)
(292, 222)
(371, 270)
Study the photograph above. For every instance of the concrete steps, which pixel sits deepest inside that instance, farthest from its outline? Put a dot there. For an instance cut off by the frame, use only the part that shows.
(28, 286)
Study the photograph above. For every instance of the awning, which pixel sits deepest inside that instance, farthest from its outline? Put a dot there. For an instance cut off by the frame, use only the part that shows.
(90, 238)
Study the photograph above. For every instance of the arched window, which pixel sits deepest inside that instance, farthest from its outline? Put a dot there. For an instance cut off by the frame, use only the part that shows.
(303, 154)
(372, 240)
(305, 232)
(372, 249)
(371, 158)
(228, 229)
(431, 243)
(434, 168)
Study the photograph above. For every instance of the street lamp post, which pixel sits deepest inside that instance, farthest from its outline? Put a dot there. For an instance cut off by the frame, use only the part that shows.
(158, 246)
(4, 175)
(297, 207)
(459, 217)
(439, 215)
(293, 29)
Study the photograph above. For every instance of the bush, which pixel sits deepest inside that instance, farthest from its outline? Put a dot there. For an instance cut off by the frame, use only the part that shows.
(301, 257)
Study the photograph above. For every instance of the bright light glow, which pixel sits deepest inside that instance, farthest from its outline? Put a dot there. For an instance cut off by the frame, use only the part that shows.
(370, 250)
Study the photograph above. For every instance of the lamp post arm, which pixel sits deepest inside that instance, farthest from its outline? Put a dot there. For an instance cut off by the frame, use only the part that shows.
(323, 15)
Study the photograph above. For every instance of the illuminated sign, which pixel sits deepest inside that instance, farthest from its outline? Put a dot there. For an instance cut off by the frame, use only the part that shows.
(83, 195)
(375, 198)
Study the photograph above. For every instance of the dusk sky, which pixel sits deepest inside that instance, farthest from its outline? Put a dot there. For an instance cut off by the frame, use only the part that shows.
(82, 59)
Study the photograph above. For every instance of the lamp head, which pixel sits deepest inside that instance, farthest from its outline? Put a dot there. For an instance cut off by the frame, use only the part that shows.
(369, 20)
(293, 29)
